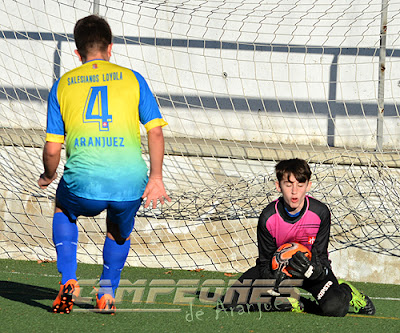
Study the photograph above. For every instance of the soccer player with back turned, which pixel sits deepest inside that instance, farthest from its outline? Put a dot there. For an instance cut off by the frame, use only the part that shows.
(97, 109)
(297, 217)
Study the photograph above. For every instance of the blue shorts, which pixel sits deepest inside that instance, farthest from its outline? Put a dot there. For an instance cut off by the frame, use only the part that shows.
(119, 212)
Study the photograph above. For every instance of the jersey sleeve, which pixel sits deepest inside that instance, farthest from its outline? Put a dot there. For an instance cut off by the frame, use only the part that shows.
(266, 245)
(149, 113)
(55, 125)
(320, 246)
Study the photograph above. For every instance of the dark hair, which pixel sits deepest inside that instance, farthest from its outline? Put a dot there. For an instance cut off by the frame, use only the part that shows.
(92, 33)
(297, 167)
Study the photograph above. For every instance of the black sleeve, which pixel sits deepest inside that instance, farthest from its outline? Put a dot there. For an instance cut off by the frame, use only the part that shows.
(320, 246)
(266, 246)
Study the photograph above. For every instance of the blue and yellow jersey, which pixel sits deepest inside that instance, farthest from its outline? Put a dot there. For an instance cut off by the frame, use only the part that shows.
(98, 108)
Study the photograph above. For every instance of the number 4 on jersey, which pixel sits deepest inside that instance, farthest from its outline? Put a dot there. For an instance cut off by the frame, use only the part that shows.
(96, 108)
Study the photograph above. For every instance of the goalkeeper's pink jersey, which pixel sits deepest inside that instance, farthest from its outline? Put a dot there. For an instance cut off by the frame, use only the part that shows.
(302, 230)
(310, 228)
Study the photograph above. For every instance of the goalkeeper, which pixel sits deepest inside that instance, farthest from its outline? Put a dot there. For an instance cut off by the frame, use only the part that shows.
(297, 217)
(97, 109)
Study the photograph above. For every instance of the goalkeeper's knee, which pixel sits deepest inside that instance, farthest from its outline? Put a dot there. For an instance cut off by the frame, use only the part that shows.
(335, 304)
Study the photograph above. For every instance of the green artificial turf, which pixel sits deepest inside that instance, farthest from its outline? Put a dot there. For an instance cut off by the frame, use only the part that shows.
(28, 288)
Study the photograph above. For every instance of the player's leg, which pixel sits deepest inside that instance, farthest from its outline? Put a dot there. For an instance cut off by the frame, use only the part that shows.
(120, 222)
(253, 293)
(238, 295)
(333, 300)
(245, 293)
(115, 252)
(65, 238)
(359, 302)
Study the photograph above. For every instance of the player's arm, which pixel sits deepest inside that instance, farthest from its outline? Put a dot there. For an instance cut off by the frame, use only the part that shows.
(54, 139)
(51, 159)
(266, 247)
(155, 187)
(320, 246)
(152, 120)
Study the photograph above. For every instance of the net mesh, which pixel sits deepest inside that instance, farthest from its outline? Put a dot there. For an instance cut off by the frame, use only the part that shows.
(242, 84)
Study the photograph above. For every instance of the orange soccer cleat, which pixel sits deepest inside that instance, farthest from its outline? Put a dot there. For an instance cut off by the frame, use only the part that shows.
(106, 304)
(66, 297)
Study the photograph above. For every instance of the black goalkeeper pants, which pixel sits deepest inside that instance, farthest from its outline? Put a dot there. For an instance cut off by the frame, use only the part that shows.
(331, 299)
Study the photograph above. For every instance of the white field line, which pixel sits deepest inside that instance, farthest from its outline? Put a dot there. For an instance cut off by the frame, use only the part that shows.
(380, 298)
(386, 298)
(30, 274)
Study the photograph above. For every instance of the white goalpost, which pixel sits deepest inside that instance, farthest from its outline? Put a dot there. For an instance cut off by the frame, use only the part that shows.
(242, 84)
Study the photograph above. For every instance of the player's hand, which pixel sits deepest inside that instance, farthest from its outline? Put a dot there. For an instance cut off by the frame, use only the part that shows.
(303, 268)
(44, 181)
(155, 191)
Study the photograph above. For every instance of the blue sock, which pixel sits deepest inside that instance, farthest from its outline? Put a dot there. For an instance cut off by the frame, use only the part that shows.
(65, 238)
(114, 257)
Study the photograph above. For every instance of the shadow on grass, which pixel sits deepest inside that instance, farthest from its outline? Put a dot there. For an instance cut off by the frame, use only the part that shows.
(32, 295)
(27, 294)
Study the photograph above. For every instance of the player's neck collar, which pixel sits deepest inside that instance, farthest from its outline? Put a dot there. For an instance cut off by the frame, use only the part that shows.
(91, 60)
(285, 209)
(292, 215)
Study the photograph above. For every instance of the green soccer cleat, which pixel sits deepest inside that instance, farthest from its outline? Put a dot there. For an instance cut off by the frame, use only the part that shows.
(297, 305)
(289, 304)
(361, 303)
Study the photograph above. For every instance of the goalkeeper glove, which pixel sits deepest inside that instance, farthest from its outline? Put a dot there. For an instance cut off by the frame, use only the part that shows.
(301, 267)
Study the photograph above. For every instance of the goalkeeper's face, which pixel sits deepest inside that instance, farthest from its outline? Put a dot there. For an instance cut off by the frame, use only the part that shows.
(293, 192)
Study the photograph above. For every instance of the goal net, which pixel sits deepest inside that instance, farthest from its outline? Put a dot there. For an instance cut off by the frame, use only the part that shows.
(242, 84)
